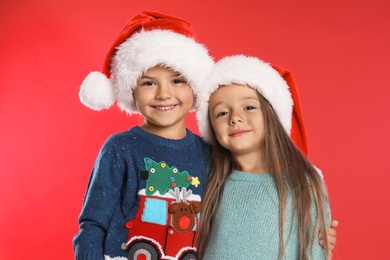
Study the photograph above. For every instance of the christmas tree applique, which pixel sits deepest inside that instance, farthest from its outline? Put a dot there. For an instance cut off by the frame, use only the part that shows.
(163, 178)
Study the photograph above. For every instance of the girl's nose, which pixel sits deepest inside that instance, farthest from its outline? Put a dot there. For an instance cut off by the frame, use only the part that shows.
(235, 118)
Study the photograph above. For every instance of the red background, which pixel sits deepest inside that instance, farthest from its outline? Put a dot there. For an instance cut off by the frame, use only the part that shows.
(337, 50)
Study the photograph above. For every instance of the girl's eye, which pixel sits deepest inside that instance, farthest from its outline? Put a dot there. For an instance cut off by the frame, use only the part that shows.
(250, 108)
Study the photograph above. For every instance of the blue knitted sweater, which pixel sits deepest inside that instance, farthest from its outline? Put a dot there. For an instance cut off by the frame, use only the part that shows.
(138, 185)
(248, 223)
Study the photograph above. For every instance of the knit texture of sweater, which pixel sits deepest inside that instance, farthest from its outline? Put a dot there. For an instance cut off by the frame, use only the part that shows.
(248, 222)
(128, 206)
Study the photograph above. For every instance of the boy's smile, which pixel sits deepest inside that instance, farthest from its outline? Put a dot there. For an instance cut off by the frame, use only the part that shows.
(166, 108)
(163, 97)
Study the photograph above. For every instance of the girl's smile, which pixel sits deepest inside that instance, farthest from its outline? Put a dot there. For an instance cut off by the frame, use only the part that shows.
(238, 133)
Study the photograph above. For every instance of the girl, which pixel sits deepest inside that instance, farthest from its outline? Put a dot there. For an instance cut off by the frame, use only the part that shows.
(263, 199)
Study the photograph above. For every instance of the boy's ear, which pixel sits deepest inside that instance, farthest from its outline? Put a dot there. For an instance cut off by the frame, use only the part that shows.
(134, 100)
(194, 98)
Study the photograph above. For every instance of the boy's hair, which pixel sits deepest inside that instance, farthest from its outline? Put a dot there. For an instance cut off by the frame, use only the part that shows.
(148, 39)
(295, 177)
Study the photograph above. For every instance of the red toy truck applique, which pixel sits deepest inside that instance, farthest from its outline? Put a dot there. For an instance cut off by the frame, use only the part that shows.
(165, 225)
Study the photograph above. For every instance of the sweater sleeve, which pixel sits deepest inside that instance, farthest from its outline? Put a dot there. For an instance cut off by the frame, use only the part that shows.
(101, 199)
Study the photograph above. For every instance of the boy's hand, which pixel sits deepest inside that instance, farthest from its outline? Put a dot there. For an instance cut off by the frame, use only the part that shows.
(331, 233)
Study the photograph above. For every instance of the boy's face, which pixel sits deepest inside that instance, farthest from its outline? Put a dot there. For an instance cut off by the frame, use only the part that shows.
(237, 119)
(163, 97)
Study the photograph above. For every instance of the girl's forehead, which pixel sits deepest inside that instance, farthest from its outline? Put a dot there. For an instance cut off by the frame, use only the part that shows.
(227, 94)
(237, 89)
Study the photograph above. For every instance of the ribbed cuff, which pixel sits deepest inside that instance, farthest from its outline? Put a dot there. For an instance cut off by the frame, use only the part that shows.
(94, 255)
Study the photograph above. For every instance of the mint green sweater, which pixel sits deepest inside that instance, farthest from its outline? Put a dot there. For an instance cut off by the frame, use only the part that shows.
(248, 223)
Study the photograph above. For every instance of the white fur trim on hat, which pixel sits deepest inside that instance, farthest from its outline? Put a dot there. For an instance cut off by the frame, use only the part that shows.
(147, 49)
(97, 91)
(248, 71)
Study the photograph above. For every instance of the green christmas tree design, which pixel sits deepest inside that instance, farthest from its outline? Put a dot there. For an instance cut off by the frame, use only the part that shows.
(162, 177)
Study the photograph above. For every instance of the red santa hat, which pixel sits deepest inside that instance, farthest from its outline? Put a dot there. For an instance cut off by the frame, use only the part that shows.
(272, 82)
(148, 39)
(298, 132)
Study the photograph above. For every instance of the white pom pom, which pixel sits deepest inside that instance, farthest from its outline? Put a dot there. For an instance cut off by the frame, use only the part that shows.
(97, 91)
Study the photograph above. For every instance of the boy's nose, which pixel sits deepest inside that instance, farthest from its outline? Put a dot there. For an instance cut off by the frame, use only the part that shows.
(164, 91)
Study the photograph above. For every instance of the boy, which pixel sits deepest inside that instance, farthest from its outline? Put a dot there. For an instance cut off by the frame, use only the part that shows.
(143, 197)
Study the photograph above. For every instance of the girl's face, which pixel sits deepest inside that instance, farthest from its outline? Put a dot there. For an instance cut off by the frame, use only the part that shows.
(163, 97)
(237, 119)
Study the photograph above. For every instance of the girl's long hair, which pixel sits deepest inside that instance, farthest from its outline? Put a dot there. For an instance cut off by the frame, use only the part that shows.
(295, 177)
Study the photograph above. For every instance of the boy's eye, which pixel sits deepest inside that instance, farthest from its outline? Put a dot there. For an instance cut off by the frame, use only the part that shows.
(179, 81)
(221, 114)
(147, 83)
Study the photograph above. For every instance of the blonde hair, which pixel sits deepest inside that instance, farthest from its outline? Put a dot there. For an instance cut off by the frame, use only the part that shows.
(295, 176)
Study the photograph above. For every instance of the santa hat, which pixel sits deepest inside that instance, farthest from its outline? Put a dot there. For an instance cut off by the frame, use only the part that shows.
(298, 132)
(272, 82)
(147, 40)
